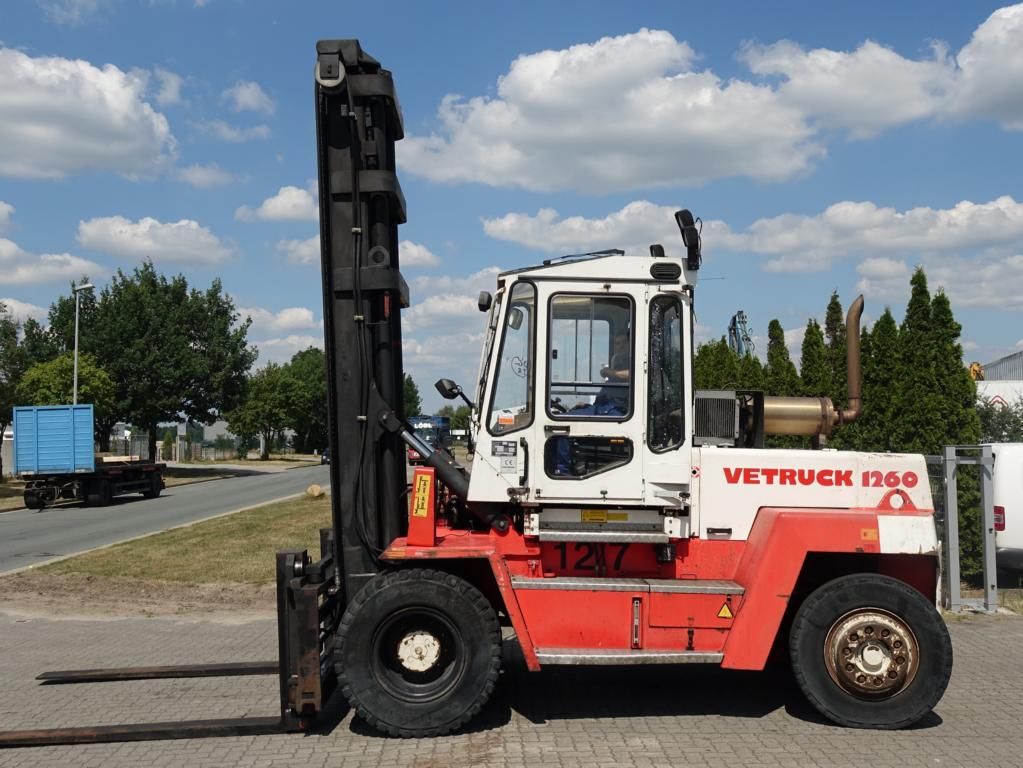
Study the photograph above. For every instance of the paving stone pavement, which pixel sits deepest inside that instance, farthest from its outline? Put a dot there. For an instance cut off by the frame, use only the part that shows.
(565, 717)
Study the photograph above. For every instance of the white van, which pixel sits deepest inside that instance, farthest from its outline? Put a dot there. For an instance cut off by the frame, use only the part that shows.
(1008, 503)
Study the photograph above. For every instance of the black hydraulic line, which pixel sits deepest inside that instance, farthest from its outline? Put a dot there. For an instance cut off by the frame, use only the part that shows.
(166, 672)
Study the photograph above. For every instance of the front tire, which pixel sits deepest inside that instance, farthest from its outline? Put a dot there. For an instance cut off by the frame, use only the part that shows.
(418, 652)
(869, 651)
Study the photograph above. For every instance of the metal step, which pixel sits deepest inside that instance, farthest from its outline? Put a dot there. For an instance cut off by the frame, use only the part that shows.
(615, 537)
(611, 657)
(611, 584)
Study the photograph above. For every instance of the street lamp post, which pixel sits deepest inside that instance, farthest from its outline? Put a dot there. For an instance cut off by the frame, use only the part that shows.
(76, 289)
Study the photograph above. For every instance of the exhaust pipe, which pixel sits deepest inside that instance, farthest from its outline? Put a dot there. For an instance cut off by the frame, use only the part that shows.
(817, 416)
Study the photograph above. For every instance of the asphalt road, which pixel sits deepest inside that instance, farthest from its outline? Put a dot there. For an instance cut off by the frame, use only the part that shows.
(28, 537)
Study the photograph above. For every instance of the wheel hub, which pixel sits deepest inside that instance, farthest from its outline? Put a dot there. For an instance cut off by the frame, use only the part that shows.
(419, 651)
(871, 653)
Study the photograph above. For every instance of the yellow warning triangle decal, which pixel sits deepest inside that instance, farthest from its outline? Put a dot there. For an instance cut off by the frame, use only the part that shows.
(725, 612)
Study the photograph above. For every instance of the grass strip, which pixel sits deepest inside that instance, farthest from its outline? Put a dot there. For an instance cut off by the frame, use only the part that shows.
(236, 548)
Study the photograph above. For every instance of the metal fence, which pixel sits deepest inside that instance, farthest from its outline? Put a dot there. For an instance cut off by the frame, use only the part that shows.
(944, 474)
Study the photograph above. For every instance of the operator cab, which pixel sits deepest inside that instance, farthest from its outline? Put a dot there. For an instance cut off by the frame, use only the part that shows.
(584, 393)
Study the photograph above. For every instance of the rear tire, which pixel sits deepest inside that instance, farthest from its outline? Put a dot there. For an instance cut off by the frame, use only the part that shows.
(418, 652)
(99, 494)
(155, 486)
(869, 651)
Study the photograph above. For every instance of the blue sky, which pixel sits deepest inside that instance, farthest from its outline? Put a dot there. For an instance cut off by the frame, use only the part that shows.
(826, 147)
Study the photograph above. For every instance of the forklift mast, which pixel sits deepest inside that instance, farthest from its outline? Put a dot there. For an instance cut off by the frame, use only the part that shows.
(358, 120)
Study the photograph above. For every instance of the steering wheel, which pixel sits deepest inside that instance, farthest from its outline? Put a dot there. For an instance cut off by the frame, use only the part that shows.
(556, 405)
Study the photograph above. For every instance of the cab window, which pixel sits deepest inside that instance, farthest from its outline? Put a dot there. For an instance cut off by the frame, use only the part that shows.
(511, 407)
(590, 361)
(665, 396)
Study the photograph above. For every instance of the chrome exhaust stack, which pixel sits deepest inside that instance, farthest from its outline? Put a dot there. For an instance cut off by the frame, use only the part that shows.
(817, 416)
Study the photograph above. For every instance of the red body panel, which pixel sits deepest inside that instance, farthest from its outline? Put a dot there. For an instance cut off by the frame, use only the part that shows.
(768, 565)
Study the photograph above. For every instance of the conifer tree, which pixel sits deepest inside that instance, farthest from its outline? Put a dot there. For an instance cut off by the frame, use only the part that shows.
(814, 362)
(954, 404)
(915, 428)
(715, 366)
(834, 334)
(780, 374)
(880, 355)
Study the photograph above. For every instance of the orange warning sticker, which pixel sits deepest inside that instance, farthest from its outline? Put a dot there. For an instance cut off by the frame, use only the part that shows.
(868, 534)
(421, 496)
(725, 612)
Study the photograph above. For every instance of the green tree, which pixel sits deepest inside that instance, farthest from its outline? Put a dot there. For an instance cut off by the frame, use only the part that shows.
(269, 401)
(459, 416)
(814, 362)
(1001, 423)
(52, 383)
(61, 321)
(413, 403)
(36, 343)
(169, 349)
(309, 414)
(915, 429)
(954, 398)
(881, 378)
(167, 450)
(715, 366)
(219, 354)
(834, 334)
(11, 367)
(780, 375)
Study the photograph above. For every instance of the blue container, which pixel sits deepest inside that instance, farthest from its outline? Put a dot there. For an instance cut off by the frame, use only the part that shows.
(53, 439)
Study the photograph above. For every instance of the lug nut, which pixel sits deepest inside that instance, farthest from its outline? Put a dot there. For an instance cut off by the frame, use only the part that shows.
(897, 644)
(900, 659)
(893, 674)
(878, 681)
(885, 633)
(853, 637)
(849, 667)
(869, 630)
(861, 678)
(847, 651)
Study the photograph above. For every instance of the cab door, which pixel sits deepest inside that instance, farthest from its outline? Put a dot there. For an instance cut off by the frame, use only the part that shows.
(587, 438)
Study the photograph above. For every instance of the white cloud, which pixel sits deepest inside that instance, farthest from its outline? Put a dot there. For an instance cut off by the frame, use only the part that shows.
(289, 204)
(991, 69)
(794, 242)
(63, 116)
(882, 277)
(282, 349)
(620, 113)
(185, 241)
(247, 96)
(22, 310)
(633, 228)
(19, 267)
(301, 251)
(416, 255)
(265, 322)
(6, 211)
(170, 87)
(634, 111)
(205, 176)
(219, 129)
(841, 89)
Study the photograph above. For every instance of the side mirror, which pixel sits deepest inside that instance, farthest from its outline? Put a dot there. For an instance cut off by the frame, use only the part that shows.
(485, 301)
(515, 317)
(448, 389)
(690, 237)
